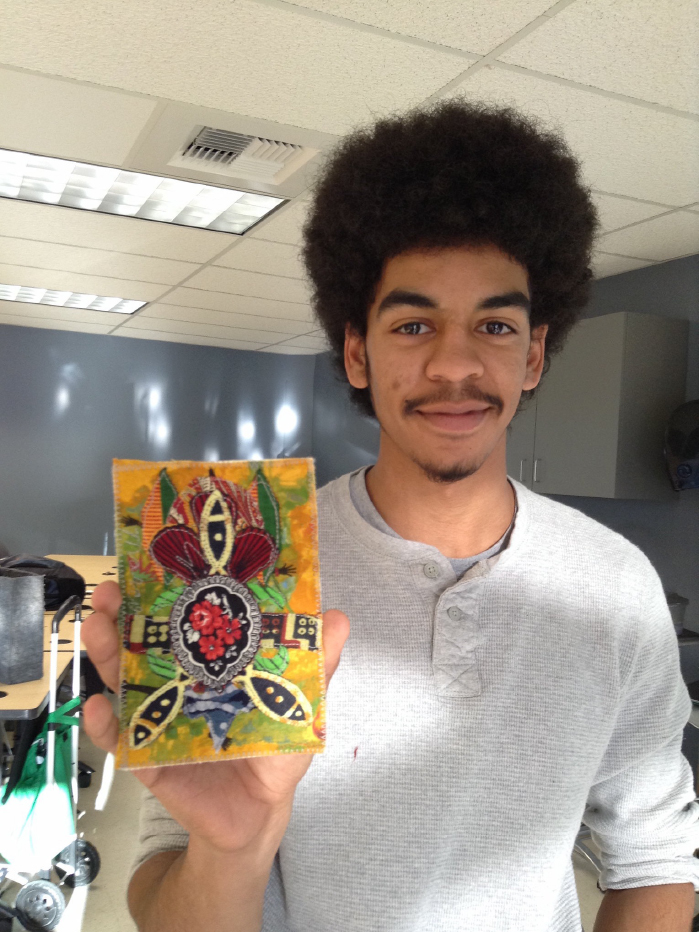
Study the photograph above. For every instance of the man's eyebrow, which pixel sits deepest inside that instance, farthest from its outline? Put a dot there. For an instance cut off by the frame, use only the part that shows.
(399, 296)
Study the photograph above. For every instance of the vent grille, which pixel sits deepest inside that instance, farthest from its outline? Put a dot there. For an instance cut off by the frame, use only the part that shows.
(241, 156)
(217, 145)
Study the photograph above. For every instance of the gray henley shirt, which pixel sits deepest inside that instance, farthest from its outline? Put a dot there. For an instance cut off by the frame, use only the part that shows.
(473, 724)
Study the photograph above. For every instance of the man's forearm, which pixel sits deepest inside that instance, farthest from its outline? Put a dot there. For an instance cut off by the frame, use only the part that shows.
(200, 890)
(661, 908)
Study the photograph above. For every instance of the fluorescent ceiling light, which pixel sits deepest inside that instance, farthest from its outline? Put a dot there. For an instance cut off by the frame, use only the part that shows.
(89, 302)
(130, 194)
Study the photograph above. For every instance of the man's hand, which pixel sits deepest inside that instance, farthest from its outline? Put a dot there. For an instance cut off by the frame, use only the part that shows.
(226, 803)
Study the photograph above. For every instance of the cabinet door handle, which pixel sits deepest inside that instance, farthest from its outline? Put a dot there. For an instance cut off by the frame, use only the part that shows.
(535, 469)
(521, 470)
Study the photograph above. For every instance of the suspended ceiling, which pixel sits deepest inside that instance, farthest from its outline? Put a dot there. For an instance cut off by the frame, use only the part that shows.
(123, 84)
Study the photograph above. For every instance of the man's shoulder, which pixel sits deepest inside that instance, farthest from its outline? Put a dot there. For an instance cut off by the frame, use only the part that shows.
(334, 487)
(572, 533)
(555, 530)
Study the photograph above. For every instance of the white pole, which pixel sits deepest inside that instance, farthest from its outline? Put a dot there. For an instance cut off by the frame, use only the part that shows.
(76, 692)
(51, 739)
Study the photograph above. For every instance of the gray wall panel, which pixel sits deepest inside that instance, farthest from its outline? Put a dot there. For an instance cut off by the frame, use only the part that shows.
(343, 440)
(71, 402)
(667, 532)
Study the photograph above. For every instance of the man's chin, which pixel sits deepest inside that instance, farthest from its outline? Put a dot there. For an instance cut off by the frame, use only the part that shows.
(448, 473)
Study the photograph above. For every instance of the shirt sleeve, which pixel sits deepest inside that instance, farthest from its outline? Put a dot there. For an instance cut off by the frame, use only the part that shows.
(158, 831)
(642, 808)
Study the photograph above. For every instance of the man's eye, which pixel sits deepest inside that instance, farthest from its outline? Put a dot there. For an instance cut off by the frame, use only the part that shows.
(498, 323)
(413, 328)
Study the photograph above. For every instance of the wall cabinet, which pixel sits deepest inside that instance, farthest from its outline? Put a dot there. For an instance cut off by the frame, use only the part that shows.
(597, 425)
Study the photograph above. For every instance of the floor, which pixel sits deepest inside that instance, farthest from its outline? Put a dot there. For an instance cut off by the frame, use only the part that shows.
(101, 907)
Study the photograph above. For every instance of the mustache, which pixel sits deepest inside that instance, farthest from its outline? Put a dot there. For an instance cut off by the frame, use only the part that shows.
(450, 398)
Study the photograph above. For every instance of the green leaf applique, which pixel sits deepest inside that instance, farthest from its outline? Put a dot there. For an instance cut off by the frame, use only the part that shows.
(160, 665)
(269, 509)
(276, 664)
(163, 604)
(168, 494)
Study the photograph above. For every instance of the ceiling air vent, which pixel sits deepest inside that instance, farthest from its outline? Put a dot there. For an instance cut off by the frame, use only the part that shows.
(251, 157)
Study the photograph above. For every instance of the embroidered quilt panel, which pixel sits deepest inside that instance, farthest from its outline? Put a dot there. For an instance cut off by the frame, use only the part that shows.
(220, 625)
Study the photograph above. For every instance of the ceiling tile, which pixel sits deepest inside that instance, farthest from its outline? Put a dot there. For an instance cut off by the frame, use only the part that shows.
(244, 304)
(256, 255)
(236, 281)
(666, 237)
(265, 61)
(84, 284)
(604, 265)
(284, 226)
(201, 329)
(18, 320)
(92, 261)
(222, 318)
(624, 148)
(53, 224)
(71, 121)
(643, 48)
(191, 339)
(308, 341)
(289, 350)
(615, 212)
(476, 27)
(76, 314)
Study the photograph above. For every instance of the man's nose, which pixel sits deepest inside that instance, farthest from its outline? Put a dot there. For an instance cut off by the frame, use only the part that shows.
(454, 356)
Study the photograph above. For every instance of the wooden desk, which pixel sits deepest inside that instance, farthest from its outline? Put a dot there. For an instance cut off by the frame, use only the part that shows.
(24, 701)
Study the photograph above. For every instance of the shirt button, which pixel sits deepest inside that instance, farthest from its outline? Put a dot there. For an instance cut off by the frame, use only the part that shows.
(431, 570)
(455, 613)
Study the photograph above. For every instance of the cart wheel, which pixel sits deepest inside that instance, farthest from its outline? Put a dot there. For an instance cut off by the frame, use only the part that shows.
(40, 905)
(84, 780)
(87, 864)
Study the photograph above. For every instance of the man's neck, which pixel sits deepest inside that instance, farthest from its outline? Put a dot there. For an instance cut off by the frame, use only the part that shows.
(461, 519)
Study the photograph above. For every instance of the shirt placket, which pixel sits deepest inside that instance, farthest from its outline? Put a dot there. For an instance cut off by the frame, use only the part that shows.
(458, 635)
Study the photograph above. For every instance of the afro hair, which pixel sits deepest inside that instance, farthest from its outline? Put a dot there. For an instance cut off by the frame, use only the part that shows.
(455, 174)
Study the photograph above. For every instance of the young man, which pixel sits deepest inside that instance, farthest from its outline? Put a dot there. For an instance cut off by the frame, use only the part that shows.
(512, 667)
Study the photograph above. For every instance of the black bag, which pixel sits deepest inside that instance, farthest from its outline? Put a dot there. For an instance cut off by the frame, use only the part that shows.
(60, 581)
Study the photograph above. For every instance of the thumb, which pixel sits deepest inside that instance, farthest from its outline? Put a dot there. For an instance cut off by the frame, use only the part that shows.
(336, 629)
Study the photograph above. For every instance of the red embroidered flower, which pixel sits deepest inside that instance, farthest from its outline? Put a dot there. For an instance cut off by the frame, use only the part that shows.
(205, 617)
(211, 648)
(230, 630)
(217, 616)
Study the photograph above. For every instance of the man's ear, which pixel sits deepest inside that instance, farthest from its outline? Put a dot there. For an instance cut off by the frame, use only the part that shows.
(355, 358)
(535, 357)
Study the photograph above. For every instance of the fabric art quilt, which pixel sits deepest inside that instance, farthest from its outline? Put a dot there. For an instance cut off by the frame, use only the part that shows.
(220, 620)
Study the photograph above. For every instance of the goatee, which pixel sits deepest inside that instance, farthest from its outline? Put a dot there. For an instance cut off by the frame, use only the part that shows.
(445, 475)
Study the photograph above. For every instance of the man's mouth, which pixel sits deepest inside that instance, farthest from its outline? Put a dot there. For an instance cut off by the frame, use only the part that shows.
(455, 419)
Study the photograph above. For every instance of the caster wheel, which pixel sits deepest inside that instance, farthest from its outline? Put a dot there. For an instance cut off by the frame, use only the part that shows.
(40, 905)
(84, 780)
(87, 864)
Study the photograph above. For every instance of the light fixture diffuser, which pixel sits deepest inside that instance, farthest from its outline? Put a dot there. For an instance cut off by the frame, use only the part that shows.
(130, 194)
(88, 302)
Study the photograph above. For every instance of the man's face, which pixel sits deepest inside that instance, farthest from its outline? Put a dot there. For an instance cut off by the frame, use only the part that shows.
(448, 331)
